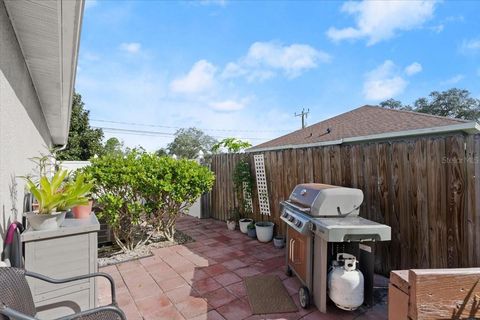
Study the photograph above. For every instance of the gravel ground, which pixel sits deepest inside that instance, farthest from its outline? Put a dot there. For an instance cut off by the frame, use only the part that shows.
(109, 255)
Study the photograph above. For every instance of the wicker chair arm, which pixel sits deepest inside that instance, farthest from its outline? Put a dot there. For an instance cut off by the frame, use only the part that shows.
(86, 276)
(86, 313)
(14, 314)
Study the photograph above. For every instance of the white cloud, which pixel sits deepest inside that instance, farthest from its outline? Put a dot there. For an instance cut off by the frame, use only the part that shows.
(384, 82)
(227, 105)
(453, 80)
(414, 68)
(264, 59)
(470, 46)
(381, 20)
(131, 47)
(200, 78)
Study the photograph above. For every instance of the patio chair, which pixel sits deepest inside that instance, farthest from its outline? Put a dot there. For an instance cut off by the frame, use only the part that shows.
(16, 301)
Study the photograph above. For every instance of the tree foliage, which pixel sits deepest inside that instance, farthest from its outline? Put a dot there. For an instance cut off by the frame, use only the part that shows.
(188, 143)
(113, 146)
(141, 193)
(452, 103)
(83, 141)
(231, 144)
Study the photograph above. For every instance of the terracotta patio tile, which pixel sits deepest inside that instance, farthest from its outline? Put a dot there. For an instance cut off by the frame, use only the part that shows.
(127, 304)
(238, 289)
(163, 275)
(150, 306)
(172, 283)
(215, 269)
(206, 285)
(282, 316)
(211, 315)
(192, 307)
(140, 284)
(185, 267)
(247, 272)
(292, 284)
(194, 275)
(170, 313)
(129, 265)
(219, 297)
(179, 294)
(227, 278)
(236, 310)
(234, 264)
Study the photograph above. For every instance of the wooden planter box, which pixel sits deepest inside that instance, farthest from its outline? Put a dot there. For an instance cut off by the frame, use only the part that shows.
(434, 294)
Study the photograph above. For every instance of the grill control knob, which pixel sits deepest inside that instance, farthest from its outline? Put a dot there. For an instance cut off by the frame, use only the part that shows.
(284, 214)
(291, 218)
(298, 223)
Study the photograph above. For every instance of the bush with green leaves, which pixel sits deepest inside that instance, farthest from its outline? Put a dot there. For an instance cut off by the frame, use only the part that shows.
(170, 187)
(244, 183)
(140, 192)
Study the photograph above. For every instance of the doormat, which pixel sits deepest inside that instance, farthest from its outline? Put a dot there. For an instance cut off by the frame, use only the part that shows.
(267, 294)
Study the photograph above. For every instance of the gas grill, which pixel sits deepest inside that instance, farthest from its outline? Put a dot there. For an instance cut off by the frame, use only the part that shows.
(322, 221)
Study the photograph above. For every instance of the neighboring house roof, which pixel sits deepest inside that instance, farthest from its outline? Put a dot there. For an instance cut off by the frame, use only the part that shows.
(48, 33)
(367, 123)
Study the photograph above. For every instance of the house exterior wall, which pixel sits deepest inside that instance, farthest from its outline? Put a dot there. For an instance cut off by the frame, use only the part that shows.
(23, 129)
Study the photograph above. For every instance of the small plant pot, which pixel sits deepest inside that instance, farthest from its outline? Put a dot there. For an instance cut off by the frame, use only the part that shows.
(244, 224)
(231, 225)
(40, 222)
(279, 242)
(82, 212)
(264, 231)
(252, 233)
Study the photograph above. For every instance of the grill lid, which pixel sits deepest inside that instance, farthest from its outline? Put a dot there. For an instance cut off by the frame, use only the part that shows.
(327, 200)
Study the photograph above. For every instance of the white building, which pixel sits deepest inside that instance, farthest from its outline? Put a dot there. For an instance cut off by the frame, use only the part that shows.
(39, 42)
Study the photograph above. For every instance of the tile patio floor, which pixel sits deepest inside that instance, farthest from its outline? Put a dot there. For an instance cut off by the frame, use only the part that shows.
(203, 279)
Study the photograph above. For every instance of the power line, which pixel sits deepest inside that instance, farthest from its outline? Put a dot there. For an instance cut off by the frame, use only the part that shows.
(157, 133)
(304, 115)
(172, 127)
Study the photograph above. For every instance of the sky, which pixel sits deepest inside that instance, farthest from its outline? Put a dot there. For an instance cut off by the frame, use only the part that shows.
(244, 68)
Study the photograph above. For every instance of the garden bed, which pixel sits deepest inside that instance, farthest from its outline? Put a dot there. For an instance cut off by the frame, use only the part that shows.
(112, 254)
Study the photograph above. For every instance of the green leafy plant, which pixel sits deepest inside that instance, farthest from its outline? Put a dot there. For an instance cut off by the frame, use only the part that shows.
(141, 192)
(244, 184)
(118, 195)
(235, 214)
(55, 194)
(170, 187)
(231, 144)
(251, 225)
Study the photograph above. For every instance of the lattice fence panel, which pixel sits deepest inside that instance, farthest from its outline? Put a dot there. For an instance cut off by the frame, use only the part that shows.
(261, 184)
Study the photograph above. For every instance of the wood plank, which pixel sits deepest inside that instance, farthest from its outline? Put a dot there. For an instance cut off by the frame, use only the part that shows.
(317, 165)
(422, 240)
(476, 195)
(471, 219)
(444, 293)
(456, 201)
(309, 175)
(399, 278)
(327, 169)
(437, 215)
(397, 303)
(335, 165)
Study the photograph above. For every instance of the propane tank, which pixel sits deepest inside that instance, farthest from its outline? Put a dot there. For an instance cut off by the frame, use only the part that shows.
(345, 282)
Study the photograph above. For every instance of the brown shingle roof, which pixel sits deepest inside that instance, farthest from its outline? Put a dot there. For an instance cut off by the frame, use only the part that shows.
(363, 121)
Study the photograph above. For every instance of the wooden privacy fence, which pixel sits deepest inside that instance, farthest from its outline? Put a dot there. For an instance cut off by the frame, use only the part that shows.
(426, 188)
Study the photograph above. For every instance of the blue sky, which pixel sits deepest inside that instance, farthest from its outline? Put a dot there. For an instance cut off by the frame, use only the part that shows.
(243, 68)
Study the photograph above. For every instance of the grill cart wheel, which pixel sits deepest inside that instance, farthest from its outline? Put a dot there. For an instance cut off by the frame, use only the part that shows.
(304, 297)
(288, 272)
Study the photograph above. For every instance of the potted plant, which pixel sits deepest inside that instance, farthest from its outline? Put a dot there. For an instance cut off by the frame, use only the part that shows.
(279, 241)
(232, 219)
(231, 223)
(245, 221)
(54, 197)
(264, 231)
(251, 231)
(83, 211)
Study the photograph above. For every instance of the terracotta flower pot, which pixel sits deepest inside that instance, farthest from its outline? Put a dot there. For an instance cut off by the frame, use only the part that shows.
(82, 212)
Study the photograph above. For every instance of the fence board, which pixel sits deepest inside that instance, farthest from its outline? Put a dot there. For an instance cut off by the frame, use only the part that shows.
(426, 189)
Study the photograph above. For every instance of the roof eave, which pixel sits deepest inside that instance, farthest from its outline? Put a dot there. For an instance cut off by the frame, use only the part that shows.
(468, 127)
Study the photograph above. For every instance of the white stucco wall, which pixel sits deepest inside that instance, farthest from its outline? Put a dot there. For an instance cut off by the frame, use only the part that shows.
(23, 130)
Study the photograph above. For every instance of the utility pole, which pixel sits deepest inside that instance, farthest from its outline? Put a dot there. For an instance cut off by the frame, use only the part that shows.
(304, 115)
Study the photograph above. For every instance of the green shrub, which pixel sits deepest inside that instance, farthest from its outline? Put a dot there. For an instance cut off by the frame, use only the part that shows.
(170, 187)
(141, 189)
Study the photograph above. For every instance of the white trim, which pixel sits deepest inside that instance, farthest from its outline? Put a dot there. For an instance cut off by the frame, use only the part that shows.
(468, 127)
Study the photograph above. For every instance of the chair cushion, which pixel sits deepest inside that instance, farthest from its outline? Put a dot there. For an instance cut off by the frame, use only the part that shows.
(15, 292)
